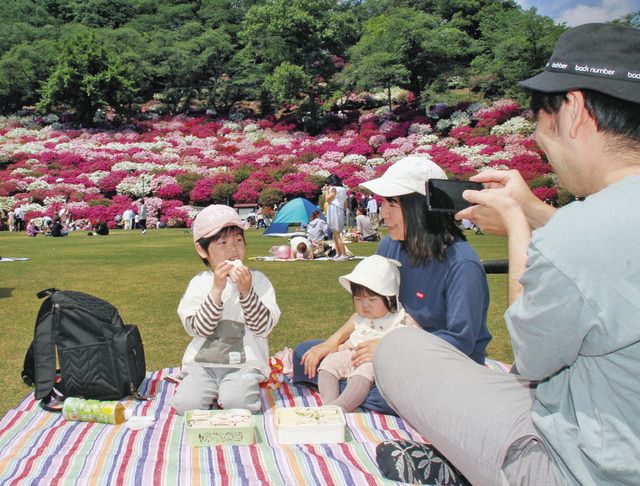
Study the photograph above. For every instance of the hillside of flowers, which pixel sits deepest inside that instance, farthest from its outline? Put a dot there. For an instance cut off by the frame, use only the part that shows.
(178, 163)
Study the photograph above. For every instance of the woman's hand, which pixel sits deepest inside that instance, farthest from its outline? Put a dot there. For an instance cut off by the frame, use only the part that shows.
(311, 359)
(364, 352)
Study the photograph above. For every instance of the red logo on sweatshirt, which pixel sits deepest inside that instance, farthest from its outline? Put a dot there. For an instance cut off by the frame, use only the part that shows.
(419, 295)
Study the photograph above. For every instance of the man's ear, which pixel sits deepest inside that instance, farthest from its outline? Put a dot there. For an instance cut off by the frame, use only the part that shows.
(579, 116)
(201, 250)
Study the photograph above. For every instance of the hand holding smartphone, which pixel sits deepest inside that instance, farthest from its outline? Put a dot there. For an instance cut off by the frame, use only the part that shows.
(445, 196)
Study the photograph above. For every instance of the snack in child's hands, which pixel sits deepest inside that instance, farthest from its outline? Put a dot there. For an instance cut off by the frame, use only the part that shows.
(236, 264)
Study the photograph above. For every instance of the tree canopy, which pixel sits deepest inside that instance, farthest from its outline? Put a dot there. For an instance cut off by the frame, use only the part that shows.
(87, 54)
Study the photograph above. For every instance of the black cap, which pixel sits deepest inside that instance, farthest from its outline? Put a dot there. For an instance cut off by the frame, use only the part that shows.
(601, 57)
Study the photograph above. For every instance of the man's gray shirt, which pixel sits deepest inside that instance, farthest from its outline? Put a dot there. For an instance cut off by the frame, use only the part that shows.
(576, 328)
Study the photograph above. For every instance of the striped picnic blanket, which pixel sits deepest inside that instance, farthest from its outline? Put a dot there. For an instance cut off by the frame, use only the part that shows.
(38, 447)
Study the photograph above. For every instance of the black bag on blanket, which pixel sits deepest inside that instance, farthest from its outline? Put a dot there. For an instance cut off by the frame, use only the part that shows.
(98, 355)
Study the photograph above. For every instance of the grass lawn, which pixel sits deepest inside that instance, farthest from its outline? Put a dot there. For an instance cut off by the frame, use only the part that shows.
(144, 277)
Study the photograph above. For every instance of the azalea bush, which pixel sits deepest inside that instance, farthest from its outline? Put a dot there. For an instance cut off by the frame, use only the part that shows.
(176, 163)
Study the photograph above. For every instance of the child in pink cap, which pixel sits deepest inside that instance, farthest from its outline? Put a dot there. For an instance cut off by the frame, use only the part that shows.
(229, 310)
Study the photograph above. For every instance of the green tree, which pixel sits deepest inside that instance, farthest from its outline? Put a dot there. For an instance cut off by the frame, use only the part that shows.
(280, 34)
(86, 77)
(515, 45)
(287, 82)
(189, 66)
(631, 19)
(22, 72)
(103, 13)
(24, 21)
(370, 70)
(407, 47)
(130, 47)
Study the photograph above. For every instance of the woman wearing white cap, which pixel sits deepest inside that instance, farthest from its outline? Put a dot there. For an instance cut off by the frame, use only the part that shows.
(374, 284)
(443, 286)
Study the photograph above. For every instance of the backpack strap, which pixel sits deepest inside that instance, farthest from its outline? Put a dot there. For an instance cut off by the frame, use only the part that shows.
(44, 342)
(47, 292)
(53, 402)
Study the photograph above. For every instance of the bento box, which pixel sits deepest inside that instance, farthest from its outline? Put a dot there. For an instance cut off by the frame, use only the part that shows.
(219, 427)
(310, 425)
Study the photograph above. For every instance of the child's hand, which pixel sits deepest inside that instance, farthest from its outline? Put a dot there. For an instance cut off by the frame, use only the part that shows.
(364, 352)
(220, 274)
(244, 280)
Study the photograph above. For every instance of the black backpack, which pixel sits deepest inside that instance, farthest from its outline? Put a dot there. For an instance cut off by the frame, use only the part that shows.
(98, 355)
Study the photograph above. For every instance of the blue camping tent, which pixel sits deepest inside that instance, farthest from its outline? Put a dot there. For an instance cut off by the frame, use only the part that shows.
(298, 210)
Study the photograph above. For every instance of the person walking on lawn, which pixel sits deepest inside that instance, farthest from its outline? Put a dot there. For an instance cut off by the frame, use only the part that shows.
(570, 415)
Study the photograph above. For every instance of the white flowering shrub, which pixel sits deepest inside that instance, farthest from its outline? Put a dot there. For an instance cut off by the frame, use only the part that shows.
(428, 140)
(515, 125)
(231, 125)
(374, 161)
(280, 141)
(21, 171)
(321, 173)
(94, 176)
(38, 185)
(135, 186)
(32, 207)
(420, 129)
(472, 108)
(354, 159)
(459, 118)
(7, 203)
(254, 136)
(443, 124)
(48, 201)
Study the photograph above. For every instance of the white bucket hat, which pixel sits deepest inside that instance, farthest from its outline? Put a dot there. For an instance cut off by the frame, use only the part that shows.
(376, 273)
(406, 176)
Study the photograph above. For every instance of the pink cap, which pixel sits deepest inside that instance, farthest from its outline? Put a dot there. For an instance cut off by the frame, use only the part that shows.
(212, 219)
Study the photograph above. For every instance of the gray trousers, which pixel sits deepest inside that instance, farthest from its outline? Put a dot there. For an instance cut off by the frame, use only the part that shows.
(227, 387)
(478, 418)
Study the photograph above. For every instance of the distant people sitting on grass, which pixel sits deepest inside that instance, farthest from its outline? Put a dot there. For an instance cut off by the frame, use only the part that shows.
(301, 248)
(32, 228)
(374, 285)
(56, 229)
(260, 218)
(101, 228)
(315, 227)
(364, 227)
(229, 310)
(571, 416)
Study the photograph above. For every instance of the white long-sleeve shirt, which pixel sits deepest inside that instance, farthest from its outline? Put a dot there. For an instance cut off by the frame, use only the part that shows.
(204, 320)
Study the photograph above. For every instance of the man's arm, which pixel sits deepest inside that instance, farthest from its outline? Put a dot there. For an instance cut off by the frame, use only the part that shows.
(500, 214)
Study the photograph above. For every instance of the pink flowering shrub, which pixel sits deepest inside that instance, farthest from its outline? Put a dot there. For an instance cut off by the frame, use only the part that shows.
(202, 191)
(546, 194)
(297, 185)
(169, 191)
(181, 159)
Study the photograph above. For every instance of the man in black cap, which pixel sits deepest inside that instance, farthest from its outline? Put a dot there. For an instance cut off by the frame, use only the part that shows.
(572, 414)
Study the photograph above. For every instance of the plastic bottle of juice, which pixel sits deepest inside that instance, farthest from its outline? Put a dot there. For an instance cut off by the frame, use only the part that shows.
(83, 410)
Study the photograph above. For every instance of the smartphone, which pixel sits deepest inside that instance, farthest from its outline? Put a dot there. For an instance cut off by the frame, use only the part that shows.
(445, 196)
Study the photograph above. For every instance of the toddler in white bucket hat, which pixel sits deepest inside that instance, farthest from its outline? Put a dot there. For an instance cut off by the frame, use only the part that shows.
(374, 284)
